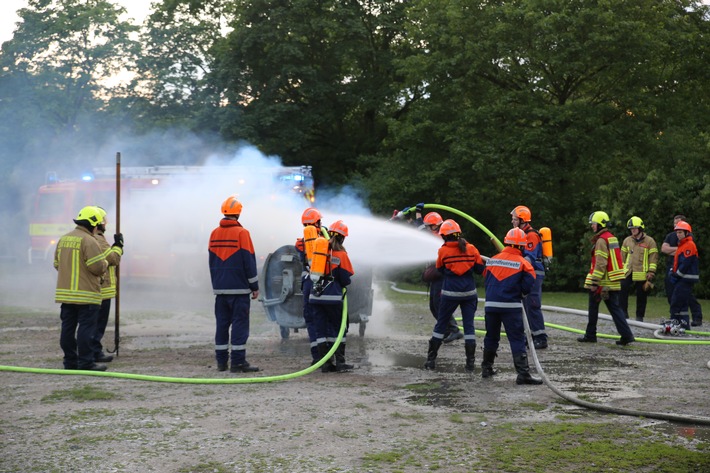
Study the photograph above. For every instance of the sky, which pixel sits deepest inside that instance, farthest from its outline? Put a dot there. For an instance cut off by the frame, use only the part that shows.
(137, 9)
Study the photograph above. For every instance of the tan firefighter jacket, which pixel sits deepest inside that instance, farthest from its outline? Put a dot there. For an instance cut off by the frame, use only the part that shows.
(80, 264)
(640, 257)
(113, 257)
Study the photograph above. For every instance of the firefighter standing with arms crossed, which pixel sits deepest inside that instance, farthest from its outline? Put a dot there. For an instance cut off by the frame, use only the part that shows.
(80, 263)
(640, 254)
(521, 218)
(508, 278)
(233, 273)
(604, 280)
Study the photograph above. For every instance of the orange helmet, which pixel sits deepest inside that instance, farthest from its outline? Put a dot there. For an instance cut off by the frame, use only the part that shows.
(515, 237)
(522, 212)
(310, 216)
(449, 227)
(433, 218)
(231, 206)
(683, 226)
(338, 227)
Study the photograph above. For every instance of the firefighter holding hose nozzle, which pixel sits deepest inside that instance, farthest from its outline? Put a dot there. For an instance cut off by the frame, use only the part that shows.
(508, 278)
(331, 272)
(457, 260)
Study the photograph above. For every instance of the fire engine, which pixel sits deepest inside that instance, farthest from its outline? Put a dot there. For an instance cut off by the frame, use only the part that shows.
(161, 210)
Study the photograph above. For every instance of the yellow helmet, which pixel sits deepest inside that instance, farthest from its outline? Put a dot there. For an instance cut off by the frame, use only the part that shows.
(600, 218)
(635, 222)
(231, 206)
(91, 214)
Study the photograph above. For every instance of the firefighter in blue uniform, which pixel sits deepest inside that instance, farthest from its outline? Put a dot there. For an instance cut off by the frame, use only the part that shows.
(521, 217)
(233, 273)
(684, 274)
(508, 278)
(310, 216)
(327, 296)
(457, 260)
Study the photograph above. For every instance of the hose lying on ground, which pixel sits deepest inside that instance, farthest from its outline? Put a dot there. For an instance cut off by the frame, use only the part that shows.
(575, 400)
(168, 379)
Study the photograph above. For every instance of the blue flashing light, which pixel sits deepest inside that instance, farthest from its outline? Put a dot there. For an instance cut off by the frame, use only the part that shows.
(87, 177)
(298, 177)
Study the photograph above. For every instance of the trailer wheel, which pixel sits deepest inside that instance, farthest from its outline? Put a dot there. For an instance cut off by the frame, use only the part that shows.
(284, 331)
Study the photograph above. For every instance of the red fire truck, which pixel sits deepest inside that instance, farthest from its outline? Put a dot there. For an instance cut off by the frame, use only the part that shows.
(161, 209)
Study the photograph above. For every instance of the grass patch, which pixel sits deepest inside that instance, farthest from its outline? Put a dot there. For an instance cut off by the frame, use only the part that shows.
(84, 393)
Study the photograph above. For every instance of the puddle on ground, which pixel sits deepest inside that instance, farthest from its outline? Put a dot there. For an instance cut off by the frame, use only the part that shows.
(687, 431)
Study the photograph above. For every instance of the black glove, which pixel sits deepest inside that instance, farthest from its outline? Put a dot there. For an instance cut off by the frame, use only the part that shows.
(118, 240)
(420, 207)
(406, 210)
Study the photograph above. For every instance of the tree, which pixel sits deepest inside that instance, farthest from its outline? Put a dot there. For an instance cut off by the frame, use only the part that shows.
(541, 102)
(314, 80)
(66, 52)
(172, 86)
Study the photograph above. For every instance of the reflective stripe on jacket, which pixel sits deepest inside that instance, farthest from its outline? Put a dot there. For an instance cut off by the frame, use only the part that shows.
(232, 260)
(686, 263)
(80, 264)
(458, 269)
(112, 254)
(507, 278)
(607, 268)
(640, 257)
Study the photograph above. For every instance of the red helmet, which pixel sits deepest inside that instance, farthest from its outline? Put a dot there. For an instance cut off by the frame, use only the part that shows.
(338, 227)
(433, 218)
(683, 226)
(522, 212)
(449, 227)
(310, 216)
(231, 206)
(515, 237)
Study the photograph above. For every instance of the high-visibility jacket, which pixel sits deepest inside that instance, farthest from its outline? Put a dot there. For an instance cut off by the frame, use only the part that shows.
(458, 269)
(232, 260)
(533, 249)
(640, 256)
(607, 268)
(80, 263)
(112, 254)
(338, 271)
(686, 265)
(507, 278)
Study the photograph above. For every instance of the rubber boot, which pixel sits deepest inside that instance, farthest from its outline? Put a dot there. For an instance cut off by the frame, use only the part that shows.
(323, 349)
(340, 364)
(470, 356)
(433, 351)
(487, 370)
(523, 369)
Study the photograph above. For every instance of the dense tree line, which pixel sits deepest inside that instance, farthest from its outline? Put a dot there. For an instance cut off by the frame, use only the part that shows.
(567, 106)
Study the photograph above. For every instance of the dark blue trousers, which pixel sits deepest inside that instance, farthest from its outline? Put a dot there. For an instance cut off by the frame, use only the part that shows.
(231, 311)
(78, 327)
(514, 329)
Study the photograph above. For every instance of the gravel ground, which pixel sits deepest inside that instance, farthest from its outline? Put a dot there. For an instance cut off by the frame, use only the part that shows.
(386, 415)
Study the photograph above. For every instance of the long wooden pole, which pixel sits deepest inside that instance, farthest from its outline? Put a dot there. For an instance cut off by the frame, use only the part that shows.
(117, 333)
